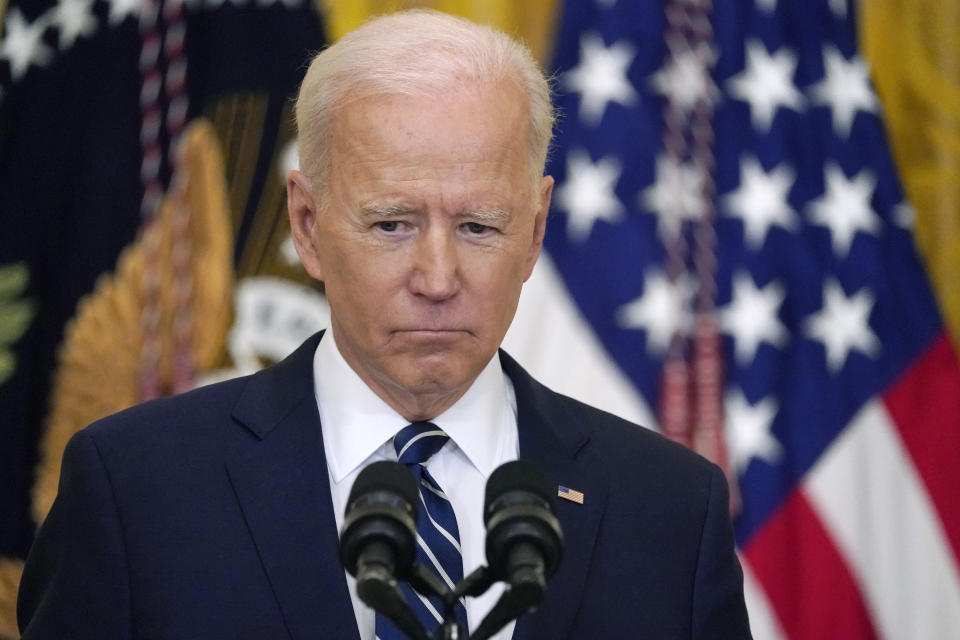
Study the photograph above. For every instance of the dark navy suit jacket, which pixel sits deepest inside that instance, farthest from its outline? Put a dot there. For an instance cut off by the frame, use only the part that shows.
(208, 516)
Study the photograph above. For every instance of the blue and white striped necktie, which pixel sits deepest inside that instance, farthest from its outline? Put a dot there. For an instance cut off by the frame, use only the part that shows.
(438, 539)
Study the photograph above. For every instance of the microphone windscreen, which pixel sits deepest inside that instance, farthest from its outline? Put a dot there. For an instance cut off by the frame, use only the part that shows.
(518, 475)
(385, 476)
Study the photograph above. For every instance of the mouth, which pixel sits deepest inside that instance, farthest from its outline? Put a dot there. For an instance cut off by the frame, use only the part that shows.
(432, 334)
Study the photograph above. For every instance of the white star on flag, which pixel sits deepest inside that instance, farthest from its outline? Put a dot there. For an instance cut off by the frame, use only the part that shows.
(74, 18)
(839, 8)
(824, 333)
(120, 10)
(766, 83)
(761, 200)
(601, 77)
(23, 45)
(685, 79)
(904, 215)
(661, 310)
(845, 88)
(748, 430)
(842, 324)
(588, 195)
(675, 196)
(845, 207)
(751, 317)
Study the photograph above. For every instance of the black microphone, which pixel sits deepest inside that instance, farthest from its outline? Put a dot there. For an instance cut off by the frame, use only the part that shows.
(524, 540)
(380, 527)
(523, 535)
(378, 540)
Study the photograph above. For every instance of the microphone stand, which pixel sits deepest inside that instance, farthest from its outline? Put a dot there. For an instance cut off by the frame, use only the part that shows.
(524, 592)
(378, 589)
(427, 583)
(522, 595)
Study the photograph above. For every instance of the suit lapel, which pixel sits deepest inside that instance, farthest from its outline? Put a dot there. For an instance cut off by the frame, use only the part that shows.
(284, 491)
(549, 438)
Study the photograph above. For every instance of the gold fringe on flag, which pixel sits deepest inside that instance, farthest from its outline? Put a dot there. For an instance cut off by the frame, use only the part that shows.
(913, 47)
(9, 579)
(532, 21)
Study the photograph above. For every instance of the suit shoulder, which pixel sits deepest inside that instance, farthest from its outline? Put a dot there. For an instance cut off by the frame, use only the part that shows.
(611, 442)
(603, 432)
(203, 406)
(259, 396)
(616, 437)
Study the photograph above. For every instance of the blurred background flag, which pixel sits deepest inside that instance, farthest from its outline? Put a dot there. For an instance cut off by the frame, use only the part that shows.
(723, 170)
(94, 95)
(730, 257)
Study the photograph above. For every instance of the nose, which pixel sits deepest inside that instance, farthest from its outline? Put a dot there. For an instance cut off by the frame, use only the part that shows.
(436, 272)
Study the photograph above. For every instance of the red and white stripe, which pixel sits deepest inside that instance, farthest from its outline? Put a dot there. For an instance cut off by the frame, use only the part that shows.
(866, 547)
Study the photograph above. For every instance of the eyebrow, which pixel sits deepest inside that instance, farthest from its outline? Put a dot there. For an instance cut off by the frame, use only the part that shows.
(385, 211)
(393, 210)
(487, 215)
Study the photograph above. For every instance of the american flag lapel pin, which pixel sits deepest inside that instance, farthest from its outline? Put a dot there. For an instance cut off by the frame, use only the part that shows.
(570, 494)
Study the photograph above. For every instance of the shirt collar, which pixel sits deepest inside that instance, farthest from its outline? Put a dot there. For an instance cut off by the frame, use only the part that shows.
(356, 422)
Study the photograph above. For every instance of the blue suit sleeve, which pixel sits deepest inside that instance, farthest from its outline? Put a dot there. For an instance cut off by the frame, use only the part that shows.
(75, 583)
(719, 611)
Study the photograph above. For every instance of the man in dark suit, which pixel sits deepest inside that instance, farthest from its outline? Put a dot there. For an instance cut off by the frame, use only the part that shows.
(421, 205)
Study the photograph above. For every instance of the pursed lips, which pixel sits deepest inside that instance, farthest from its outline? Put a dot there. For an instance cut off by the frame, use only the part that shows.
(432, 333)
(432, 330)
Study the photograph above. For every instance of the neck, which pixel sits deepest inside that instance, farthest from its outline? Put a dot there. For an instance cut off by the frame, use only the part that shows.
(422, 407)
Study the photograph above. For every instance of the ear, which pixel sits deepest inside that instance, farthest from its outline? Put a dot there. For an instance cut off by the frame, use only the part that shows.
(539, 223)
(303, 221)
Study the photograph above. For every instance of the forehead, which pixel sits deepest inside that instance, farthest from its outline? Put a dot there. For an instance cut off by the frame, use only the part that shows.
(470, 132)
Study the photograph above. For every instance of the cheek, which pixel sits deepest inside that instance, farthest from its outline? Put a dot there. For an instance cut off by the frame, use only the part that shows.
(498, 284)
(346, 259)
(367, 284)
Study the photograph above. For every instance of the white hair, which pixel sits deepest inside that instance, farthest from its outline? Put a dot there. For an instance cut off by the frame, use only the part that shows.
(418, 52)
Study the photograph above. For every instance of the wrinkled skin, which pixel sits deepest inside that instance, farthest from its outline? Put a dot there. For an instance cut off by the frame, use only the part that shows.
(432, 223)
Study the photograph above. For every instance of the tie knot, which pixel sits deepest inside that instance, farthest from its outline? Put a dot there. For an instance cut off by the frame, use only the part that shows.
(415, 443)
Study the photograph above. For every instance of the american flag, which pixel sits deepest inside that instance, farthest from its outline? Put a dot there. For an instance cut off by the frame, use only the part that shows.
(570, 494)
(722, 171)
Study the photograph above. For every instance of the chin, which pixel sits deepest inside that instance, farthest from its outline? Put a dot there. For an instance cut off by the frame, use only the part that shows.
(441, 373)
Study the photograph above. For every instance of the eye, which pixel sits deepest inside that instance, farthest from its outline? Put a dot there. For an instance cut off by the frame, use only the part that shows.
(390, 226)
(476, 228)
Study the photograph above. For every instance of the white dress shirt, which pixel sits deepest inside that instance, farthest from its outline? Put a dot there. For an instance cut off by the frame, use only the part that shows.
(358, 429)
